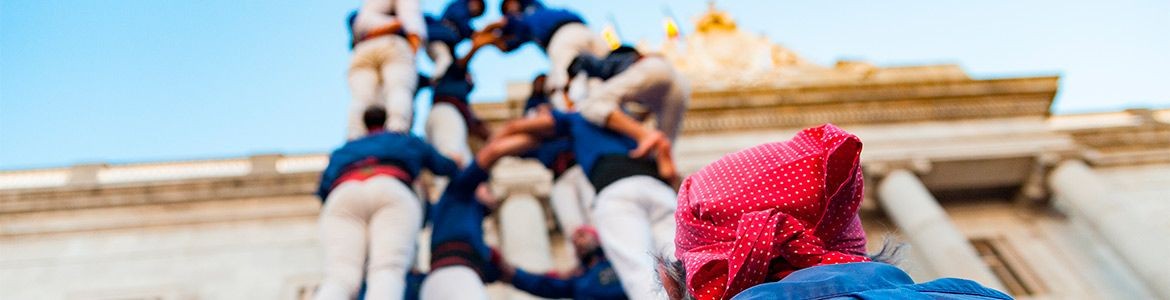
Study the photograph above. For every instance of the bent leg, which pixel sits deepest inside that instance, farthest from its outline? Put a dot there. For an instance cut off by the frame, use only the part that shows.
(399, 80)
(566, 43)
(660, 202)
(441, 55)
(363, 86)
(393, 232)
(343, 237)
(567, 205)
(643, 81)
(627, 239)
(674, 106)
(447, 131)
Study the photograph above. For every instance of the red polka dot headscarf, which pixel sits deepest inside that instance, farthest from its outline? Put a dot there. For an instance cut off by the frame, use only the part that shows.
(761, 213)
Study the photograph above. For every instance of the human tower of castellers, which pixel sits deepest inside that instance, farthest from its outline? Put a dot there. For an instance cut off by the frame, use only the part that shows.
(778, 220)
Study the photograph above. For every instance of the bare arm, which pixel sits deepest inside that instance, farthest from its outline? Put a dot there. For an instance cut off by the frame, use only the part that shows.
(541, 125)
(494, 26)
(649, 140)
(504, 146)
(477, 41)
(491, 30)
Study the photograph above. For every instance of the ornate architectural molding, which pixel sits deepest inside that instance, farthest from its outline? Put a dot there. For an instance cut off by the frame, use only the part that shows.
(1134, 137)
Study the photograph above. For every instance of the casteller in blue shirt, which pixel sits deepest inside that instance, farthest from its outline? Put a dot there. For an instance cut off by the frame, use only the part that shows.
(455, 23)
(555, 154)
(405, 151)
(602, 153)
(538, 26)
(524, 6)
(590, 142)
(865, 280)
(457, 225)
(455, 83)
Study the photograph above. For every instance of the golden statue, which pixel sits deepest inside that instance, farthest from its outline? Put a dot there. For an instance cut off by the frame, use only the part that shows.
(714, 20)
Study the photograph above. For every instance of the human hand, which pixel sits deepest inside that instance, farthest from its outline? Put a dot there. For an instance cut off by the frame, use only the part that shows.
(653, 141)
(656, 143)
(480, 39)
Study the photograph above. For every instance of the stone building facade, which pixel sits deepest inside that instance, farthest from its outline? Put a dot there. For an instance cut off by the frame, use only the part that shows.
(977, 175)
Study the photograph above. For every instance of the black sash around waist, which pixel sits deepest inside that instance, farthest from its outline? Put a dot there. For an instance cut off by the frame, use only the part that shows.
(611, 168)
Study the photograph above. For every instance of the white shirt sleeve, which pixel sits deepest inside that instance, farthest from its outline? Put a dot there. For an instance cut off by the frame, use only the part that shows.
(410, 14)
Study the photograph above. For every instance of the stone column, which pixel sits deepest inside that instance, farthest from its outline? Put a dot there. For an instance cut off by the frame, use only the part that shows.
(923, 221)
(1085, 193)
(523, 228)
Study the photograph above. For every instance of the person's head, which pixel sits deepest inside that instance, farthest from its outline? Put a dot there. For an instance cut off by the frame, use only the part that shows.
(538, 83)
(759, 214)
(538, 97)
(585, 240)
(511, 7)
(374, 118)
(475, 7)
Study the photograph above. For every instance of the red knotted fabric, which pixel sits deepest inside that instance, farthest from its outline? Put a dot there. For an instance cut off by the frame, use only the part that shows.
(761, 213)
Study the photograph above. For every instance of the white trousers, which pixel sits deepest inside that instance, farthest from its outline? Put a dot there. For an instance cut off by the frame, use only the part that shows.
(651, 81)
(453, 282)
(369, 227)
(441, 55)
(566, 43)
(635, 218)
(382, 71)
(447, 131)
(571, 197)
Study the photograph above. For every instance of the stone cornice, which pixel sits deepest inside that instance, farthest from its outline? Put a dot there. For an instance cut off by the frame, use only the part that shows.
(861, 103)
(190, 190)
(1145, 139)
(863, 92)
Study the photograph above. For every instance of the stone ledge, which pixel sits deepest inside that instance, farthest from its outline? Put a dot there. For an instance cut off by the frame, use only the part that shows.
(69, 198)
(782, 107)
(863, 92)
(159, 215)
(886, 111)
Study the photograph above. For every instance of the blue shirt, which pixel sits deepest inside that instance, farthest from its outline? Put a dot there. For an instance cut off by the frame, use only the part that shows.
(590, 142)
(458, 16)
(458, 216)
(869, 280)
(453, 26)
(599, 281)
(548, 151)
(526, 6)
(605, 68)
(349, 20)
(537, 26)
(454, 83)
(403, 150)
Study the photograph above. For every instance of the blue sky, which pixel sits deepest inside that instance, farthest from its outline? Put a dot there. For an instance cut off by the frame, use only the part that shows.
(142, 80)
